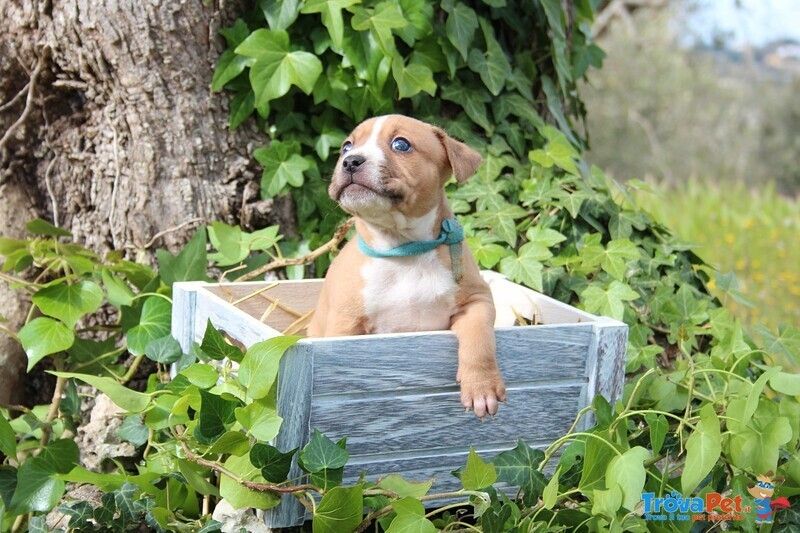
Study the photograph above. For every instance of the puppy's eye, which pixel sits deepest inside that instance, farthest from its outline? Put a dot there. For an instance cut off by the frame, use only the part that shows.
(401, 145)
(346, 147)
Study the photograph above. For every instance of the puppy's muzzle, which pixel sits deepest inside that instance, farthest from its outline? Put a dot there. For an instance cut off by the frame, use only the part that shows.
(351, 163)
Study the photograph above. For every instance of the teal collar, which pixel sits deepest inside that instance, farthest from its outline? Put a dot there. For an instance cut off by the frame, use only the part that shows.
(452, 234)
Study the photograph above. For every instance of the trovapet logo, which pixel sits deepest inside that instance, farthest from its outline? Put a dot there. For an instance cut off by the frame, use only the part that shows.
(713, 507)
(762, 491)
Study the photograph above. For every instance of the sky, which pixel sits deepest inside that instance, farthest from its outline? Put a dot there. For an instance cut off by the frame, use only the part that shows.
(754, 21)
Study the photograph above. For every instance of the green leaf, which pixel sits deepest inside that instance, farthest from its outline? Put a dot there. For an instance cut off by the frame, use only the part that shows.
(229, 66)
(189, 265)
(473, 101)
(608, 301)
(322, 453)
(196, 476)
(550, 492)
(492, 65)
(232, 443)
(339, 510)
(37, 489)
(331, 12)
(8, 439)
(607, 502)
(410, 517)
(8, 484)
(599, 453)
(69, 303)
(216, 413)
(627, 472)
(380, 21)
(259, 368)
(216, 347)
(38, 226)
(413, 78)
(525, 268)
(501, 220)
(477, 474)
(133, 430)
(154, 323)
(273, 463)
(236, 33)
(165, 350)
(276, 68)
(520, 467)
(201, 375)
(460, 27)
(658, 430)
(130, 400)
(280, 14)
(242, 106)
(117, 291)
(239, 496)
(702, 449)
(785, 383)
(44, 336)
(260, 418)
(283, 165)
(403, 488)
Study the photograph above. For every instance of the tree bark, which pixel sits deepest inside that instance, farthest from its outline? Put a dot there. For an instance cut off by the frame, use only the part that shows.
(121, 138)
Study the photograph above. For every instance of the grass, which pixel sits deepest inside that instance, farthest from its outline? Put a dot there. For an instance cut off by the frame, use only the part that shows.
(754, 233)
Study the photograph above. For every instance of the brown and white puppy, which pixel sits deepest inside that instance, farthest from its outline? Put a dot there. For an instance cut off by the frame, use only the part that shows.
(390, 177)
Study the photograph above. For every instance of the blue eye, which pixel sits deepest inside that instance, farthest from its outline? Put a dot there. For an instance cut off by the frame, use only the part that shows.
(346, 147)
(401, 145)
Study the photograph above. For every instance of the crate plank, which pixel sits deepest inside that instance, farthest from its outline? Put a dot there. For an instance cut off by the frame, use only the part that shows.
(421, 360)
(392, 424)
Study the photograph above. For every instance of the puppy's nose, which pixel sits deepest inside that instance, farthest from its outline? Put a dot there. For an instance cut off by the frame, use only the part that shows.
(352, 162)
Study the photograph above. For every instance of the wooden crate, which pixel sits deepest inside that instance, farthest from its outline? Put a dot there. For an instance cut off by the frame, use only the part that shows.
(394, 396)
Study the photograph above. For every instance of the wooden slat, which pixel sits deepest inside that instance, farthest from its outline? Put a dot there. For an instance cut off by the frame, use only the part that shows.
(418, 360)
(235, 322)
(428, 421)
(294, 405)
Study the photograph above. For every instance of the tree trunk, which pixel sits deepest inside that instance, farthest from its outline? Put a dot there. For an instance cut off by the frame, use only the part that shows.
(118, 137)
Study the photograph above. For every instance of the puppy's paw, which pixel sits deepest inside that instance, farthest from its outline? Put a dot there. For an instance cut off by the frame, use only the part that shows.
(482, 392)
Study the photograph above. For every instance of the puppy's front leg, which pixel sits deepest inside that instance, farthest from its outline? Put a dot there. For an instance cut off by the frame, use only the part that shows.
(482, 386)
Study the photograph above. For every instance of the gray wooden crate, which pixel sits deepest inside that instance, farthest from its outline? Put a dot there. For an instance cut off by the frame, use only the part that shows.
(394, 396)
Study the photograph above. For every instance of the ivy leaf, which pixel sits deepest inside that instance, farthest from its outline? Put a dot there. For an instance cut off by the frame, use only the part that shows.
(419, 14)
(280, 14)
(403, 488)
(39, 226)
(260, 419)
(283, 165)
(38, 488)
(411, 79)
(339, 510)
(526, 267)
(276, 68)
(607, 502)
(69, 302)
(492, 65)
(134, 430)
(229, 65)
(165, 350)
(216, 347)
(44, 336)
(702, 449)
(259, 368)
(473, 101)
(331, 12)
(380, 21)
(322, 453)
(520, 467)
(130, 400)
(236, 33)
(501, 220)
(200, 375)
(118, 292)
(154, 323)
(242, 106)
(477, 474)
(460, 27)
(8, 439)
(410, 517)
(232, 443)
(608, 301)
(627, 472)
(658, 430)
(486, 251)
(216, 413)
(273, 463)
(238, 495)
(189, 265)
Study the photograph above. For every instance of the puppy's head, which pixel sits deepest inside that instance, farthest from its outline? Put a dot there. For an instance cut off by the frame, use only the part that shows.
(396, 164)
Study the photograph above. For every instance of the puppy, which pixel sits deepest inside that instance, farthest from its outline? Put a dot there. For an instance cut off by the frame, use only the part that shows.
(396, 276)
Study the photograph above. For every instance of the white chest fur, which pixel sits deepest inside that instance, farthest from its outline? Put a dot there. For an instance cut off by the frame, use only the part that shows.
(408, 293)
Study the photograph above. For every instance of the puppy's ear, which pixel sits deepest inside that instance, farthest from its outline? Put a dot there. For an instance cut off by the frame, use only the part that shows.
(463, 160)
